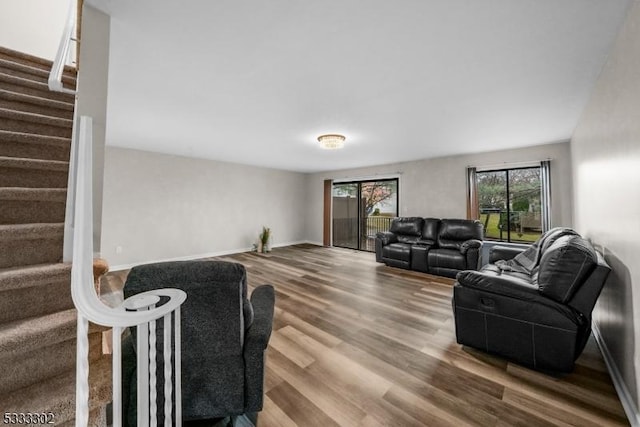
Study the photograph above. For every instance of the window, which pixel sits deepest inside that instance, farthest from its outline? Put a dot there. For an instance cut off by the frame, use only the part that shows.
(512, 204)
(360, 210)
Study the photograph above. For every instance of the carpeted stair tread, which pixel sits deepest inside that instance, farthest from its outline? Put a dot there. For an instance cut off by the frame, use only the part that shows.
(36, 366)
(34, 146)
(30, 138)
(10, 232)
(27, 71)
(33, 173)
(34, 118)
(38, 290)
(33, 275)
(22, 336)
(34, 61)
(39, 164)
(32, 87)
(57, 395)
(35, 104)
(24, 205)
(33, 194)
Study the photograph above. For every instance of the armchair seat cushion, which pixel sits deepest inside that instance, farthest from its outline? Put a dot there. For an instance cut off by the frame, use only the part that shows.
(397, 251)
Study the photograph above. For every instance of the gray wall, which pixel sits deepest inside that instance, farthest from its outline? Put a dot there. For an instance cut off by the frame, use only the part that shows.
(93, 80)
(159, 207)
(606, 165)
(436, 187)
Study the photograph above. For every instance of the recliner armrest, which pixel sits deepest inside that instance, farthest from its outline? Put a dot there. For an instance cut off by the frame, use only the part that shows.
(255, 344)
(500, 285)
(470, 244)
(498, 252)
(262, 300)
(387, 237)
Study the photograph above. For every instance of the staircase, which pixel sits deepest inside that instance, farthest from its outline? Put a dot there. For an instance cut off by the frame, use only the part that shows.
(37, 318)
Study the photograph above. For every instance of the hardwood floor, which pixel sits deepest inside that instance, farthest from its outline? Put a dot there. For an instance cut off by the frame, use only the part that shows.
(356, 343)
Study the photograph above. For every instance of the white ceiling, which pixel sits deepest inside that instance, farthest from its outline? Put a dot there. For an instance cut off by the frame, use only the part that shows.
(256, 82)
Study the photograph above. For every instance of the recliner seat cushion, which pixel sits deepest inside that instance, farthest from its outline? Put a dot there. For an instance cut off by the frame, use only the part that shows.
(399, 251)
(446, 258)
(564, 266)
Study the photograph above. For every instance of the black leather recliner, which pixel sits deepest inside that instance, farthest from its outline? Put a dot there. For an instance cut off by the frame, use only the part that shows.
(431, 245)
(536, 308)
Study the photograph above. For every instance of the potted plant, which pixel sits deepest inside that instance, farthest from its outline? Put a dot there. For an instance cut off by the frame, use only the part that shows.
(264, 240)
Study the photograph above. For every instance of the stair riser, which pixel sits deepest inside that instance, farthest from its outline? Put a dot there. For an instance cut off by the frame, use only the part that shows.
(30, 211)
(57, 395)
(32, 178)
(27, 107)
(97, 418)
(41, 77)
(36, 128)
(47, 362)
(19, 252)
(35, 301)
(35, 150)
(40, 90)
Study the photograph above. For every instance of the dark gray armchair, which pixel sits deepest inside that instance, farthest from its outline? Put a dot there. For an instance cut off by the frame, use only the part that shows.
(224, 337)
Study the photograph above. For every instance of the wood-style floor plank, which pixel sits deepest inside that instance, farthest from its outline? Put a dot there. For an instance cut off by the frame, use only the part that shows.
(383, 340)
(356, 343)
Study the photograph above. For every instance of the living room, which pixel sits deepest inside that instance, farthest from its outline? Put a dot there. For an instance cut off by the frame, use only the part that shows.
(160, 205)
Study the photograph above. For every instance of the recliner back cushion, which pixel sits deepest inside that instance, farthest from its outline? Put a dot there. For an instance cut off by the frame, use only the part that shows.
(454, 232)
(529, 260)
(409, 226)
(564, 266)
(430, 229)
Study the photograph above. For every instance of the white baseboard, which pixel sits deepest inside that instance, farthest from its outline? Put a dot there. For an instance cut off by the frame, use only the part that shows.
(626, 399)
(121, 267)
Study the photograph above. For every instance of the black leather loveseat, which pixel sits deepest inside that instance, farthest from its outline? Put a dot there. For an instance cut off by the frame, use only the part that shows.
(535, 308)
(431, 245)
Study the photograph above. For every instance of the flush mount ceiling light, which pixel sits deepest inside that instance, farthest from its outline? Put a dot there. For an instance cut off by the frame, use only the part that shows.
(331, 141)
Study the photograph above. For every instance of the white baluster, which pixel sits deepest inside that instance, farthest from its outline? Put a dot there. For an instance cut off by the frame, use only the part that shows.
(167, 371)
(178, 367)
(153, 404)
(82, 372)
(117, 376)
(143, 375)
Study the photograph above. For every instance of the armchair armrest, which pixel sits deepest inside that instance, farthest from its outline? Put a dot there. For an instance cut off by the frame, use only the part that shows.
(470, 244)
(386, 237)
(255, 343)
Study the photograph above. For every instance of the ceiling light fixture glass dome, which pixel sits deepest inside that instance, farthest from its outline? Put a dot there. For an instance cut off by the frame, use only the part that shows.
(331, 141)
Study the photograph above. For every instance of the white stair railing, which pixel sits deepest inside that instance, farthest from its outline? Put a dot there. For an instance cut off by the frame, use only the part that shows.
(62, 56)
(78, 249)
(91, 308)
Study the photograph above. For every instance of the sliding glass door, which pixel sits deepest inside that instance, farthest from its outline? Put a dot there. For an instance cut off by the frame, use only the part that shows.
(360, 210)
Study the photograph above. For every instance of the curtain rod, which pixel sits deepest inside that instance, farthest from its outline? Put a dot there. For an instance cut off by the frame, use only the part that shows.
(509, 165)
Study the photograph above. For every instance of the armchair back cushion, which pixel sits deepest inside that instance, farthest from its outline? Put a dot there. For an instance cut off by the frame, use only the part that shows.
(564, 266)
(454, 232)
